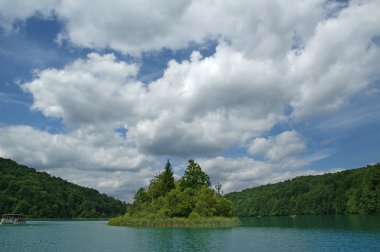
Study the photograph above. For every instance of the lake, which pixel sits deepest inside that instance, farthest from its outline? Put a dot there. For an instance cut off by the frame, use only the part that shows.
(303, 233)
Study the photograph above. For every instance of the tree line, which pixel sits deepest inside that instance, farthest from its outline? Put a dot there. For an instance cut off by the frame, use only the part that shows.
(354, 191)
(39, 195)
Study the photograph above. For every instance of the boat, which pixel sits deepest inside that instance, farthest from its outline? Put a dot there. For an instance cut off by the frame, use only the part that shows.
(13, 219)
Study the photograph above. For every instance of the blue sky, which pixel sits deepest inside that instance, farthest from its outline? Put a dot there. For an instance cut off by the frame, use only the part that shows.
(256, 91)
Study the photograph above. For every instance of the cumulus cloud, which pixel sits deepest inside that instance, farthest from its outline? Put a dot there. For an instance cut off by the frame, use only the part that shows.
(86, 148)
(206, 105)
(95, 90)
(18, 10)
(126, 26)
(339, 61)
(260, 29)
(86, 156)
(239, 173)
(119, 184)
(211, 103)
(282, 160)
(324, 51)
(286, 144)
(137, 26)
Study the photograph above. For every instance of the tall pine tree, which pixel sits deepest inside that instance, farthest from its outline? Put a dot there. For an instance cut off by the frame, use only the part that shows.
(194, 177)
(162, 183)
(167, 178)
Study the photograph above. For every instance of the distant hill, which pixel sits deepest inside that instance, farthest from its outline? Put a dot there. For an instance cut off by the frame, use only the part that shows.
(39, 195)
(347, 192)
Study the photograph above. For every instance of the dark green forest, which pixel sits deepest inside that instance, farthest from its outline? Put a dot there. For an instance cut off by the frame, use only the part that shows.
(39, 195)
(354, 191)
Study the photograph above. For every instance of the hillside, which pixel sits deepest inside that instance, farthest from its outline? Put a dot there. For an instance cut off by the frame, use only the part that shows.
(348, 192)
(39, 195)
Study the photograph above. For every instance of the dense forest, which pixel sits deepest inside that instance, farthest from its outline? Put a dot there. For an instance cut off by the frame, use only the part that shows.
(347, 192)
(182, 202)
(39, 195)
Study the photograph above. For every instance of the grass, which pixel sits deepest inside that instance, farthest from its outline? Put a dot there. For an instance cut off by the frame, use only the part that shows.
(154, 221)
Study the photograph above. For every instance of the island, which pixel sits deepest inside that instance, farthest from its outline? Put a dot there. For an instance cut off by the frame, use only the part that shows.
(186, 202)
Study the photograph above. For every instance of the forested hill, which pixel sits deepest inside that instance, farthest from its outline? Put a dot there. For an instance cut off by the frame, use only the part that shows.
(39, 195)
(348, 192)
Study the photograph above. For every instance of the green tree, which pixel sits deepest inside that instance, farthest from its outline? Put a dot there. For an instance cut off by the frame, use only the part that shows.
(178, 203)
(162, 183)
(206, 202)
(141, 196)
(194, 177)
(167, 178)
(224, 207)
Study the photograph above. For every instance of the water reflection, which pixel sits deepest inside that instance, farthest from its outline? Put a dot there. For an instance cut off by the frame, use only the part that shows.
(181, 239)
(351, 222)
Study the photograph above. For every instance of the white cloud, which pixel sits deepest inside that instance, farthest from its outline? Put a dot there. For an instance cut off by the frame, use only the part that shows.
(126, 26)
(324, 62)
(211, 103)
(259, 28)
(19, 10)
(198, 107)
(85, 148)
(97, 90)
(256, 27)
(86, 156)
(276, 148)
(120, 184)
(282, 161)
(339, 61)
(239, 173)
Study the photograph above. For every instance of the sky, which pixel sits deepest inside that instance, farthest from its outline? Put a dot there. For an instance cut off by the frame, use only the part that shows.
(102, 93)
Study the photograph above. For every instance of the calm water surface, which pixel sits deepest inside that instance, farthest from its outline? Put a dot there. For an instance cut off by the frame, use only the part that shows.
(321, 233)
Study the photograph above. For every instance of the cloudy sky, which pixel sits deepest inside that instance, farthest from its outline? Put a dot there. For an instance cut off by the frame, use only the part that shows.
(102, 93)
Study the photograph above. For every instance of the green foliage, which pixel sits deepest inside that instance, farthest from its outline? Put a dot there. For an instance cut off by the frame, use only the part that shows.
(177, 203)
(39, 195)
(162, 183)
(167, 178)
(347, 192)
(141, 196)
(205, 204)
(194, 177)
(165, 200)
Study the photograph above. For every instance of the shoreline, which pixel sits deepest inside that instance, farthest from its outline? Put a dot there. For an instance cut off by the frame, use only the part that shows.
(212, 222)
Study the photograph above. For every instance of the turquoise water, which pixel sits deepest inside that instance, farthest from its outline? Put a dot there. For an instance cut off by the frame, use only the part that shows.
(321, 233)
